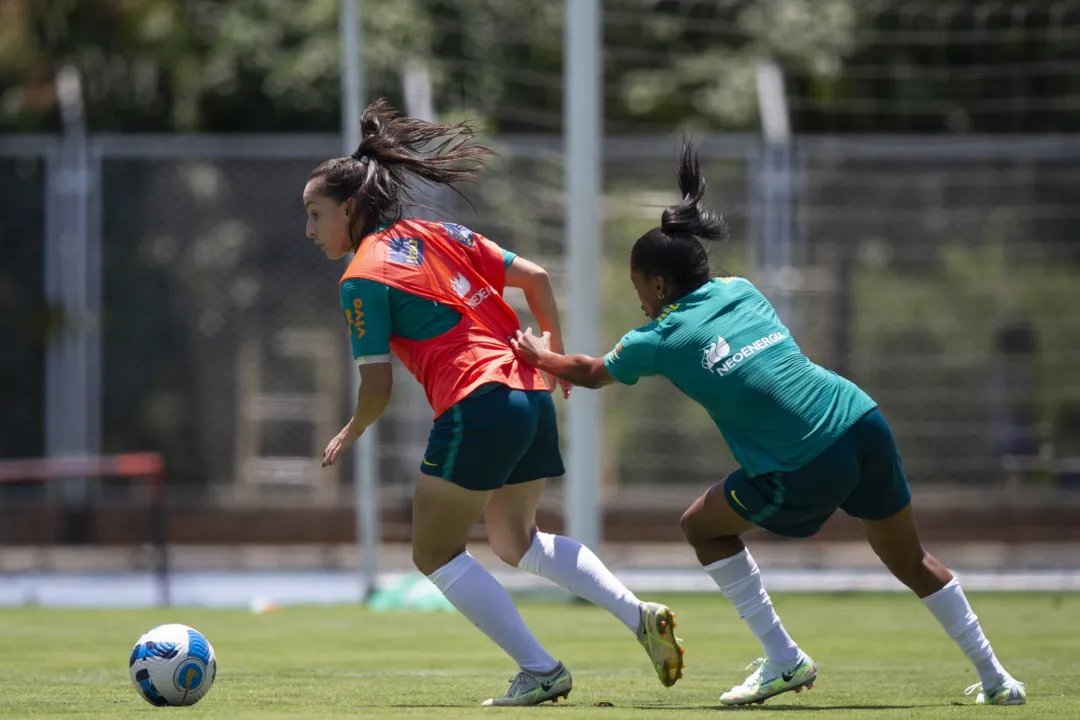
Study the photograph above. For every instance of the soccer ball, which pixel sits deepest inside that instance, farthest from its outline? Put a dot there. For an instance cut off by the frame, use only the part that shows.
(172, 665)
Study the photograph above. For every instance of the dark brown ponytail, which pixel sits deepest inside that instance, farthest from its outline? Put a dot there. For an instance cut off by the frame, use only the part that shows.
(394, 152)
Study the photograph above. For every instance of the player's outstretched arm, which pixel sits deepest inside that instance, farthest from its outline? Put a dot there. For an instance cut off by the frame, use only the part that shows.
(580, 370)
(376, 384)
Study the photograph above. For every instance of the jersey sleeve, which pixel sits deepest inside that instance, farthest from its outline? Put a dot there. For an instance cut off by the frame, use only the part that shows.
(366, 305)
(634, 357)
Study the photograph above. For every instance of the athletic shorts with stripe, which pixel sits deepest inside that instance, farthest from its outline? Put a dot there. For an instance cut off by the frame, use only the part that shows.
(496, 436)
(861, 474)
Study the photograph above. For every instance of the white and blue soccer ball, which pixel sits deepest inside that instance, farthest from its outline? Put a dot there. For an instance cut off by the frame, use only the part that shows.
(172, 665)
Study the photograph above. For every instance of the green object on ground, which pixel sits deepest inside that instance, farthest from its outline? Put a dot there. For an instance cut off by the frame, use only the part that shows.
(413, 592)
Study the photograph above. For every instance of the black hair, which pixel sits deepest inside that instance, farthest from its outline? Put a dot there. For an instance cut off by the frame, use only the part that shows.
(674, 250)
(394, 151)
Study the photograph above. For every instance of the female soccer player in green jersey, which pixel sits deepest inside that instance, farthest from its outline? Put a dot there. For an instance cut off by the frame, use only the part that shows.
(807, 440)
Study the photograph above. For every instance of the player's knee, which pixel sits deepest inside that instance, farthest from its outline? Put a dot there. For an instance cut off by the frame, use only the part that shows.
(511, 555)
(424, 561)
(921, 572)
(428, 559)
(691, 527)
(510, 547)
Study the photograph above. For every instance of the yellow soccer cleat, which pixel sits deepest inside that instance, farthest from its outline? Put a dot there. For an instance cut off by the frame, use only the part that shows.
(656, 633)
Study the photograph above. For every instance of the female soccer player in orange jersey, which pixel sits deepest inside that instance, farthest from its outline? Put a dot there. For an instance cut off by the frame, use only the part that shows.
(431, 293)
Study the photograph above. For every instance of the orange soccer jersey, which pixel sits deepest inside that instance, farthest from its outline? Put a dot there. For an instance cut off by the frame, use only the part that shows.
(455, 267)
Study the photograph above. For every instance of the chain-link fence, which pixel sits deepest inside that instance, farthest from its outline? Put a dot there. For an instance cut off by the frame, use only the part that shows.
(938, 275)
(222, 332)
(24, 319)
(949, 266)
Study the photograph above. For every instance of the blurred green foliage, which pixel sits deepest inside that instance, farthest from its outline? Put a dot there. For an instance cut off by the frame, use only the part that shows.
(273, 65)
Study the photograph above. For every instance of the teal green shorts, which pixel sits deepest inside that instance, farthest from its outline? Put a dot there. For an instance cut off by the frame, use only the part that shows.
(861, 474)
(496, 436)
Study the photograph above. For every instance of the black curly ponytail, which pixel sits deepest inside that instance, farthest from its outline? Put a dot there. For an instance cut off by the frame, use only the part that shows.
(674, 250)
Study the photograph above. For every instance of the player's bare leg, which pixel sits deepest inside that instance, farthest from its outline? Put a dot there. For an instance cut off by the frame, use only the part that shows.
(896, 542)
(511, 524)
(443, 515)
(712, 527)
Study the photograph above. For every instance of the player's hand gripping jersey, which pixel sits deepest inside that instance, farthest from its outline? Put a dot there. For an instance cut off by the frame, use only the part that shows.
(725, 348)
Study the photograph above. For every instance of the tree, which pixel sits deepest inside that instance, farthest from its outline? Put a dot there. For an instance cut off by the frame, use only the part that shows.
(161, 65)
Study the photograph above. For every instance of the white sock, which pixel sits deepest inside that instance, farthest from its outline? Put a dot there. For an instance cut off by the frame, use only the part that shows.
(478, 596)
(740, 582)
(568, 563)
(953, 611)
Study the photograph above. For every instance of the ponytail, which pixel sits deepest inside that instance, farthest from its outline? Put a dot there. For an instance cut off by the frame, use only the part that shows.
(674, 250)
(690, 217)
(394, 152)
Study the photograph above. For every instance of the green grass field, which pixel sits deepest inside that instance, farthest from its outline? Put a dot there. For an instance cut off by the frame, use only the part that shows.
(880, 656)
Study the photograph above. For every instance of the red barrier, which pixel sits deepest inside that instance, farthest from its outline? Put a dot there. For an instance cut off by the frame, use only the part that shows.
(148, 467)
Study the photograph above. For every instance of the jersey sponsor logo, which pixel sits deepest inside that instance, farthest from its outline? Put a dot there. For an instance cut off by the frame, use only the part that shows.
(460, 233)
(463, 287)
(478, 297)
(713, 356)
(714, 353)
(406, 251)
(355, 318)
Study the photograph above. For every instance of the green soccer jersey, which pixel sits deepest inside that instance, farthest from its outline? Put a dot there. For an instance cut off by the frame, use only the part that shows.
(726, 349)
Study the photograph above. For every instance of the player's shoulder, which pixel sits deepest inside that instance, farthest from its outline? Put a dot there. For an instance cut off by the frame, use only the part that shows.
(646, 339)
(358, 292)
(456, 232)
(730, 285)
(725, 294)
(459, 233)
(649, 338)
(650, 332)
(703, 301)
(351, 286)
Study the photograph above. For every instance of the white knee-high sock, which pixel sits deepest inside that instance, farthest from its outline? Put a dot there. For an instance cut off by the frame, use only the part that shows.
(953, 611)
(740, 582)
(478, 596)
(568, 563)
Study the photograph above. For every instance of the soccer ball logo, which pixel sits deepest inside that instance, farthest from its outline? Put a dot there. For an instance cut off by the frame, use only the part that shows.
(172, 665)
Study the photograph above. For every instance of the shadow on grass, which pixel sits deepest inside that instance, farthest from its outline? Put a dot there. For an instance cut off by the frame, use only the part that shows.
(671, 708)
(780, 708)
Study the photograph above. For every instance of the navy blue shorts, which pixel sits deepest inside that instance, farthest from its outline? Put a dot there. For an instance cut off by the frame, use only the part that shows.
(861, 474)
(496, 436)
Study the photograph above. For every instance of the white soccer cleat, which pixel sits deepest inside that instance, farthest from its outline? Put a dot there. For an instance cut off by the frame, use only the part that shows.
(528, 689)
(771, 679)
(1009, 691)
(656, 633)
